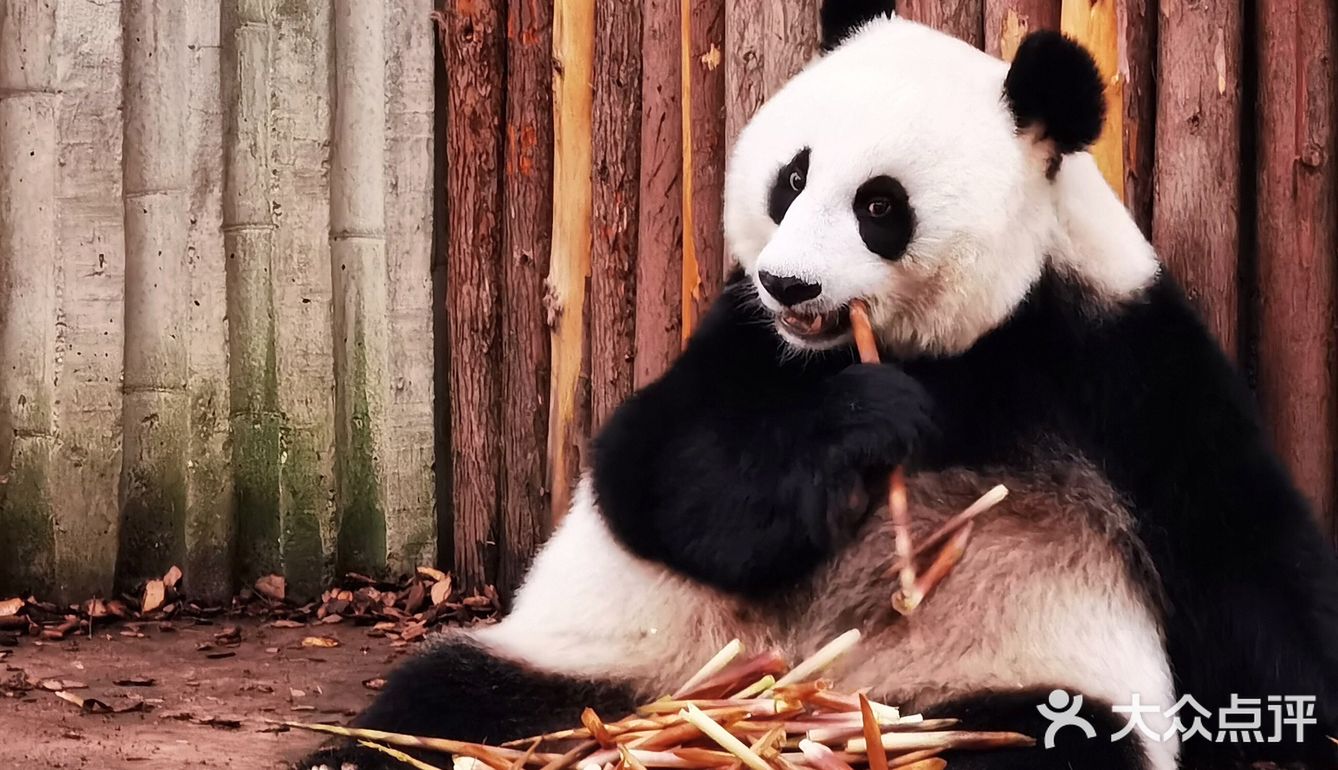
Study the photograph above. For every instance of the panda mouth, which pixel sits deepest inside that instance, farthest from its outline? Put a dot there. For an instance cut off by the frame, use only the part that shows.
(810, 326)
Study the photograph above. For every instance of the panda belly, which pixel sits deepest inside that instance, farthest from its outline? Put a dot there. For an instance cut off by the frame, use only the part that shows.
(1044, 595)
(1044, 598)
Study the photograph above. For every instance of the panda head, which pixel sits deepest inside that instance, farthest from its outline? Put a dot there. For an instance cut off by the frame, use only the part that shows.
(909, 169)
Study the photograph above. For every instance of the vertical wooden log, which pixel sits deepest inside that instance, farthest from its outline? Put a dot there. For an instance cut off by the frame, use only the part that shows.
(444, 447)
(28, 302)
(766, 44)
(1195, 224)
(472, 36)
(300, 143)
(1298, 238)
(411, 532)
(745, 61)
(660, 218)
(616, 119)
(358, 279)
(248, 231)
(1137, 69)
(574, 61)
(702, 38)
(155, 173)
(1093, 23)
(1008, 21)
(210, 529)
(791, 40)
(529, 198)
(86, 465)
(960, 18)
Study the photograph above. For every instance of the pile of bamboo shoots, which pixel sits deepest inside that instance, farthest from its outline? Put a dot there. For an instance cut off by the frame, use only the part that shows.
(755, 712)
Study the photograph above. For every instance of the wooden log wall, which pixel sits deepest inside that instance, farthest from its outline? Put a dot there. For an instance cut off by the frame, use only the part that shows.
(215, 292)
(348, 286)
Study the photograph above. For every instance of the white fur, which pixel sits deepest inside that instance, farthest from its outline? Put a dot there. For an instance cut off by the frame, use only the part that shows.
(589, 607)
(903, 100)
(1097, 239)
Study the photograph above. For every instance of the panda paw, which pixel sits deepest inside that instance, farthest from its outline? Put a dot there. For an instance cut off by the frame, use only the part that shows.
(349, 758)
(875, 415)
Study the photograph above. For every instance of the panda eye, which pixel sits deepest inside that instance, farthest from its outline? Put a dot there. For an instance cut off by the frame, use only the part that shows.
(786, 185)
(886, 218)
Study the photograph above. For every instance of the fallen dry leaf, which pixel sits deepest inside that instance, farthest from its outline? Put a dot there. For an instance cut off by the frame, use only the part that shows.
(415, 598)
(441, 591)
(320, 641)
(375, 684)
(136, 704)
(10, 607)
(56, 685)
(136, 681)
(172, 577)
(286, 624)
(95, 608)
(272, 587)
(229, 635)
(434, 574)
(155, 593)
(86, 705)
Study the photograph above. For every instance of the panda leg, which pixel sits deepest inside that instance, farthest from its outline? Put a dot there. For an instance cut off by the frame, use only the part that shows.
(459, 690)
(1072, 749)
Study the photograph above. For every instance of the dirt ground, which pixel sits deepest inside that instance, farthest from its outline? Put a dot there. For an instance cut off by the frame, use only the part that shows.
(199, 711)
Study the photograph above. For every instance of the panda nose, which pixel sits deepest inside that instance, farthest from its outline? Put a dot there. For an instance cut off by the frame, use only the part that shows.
(787, 290)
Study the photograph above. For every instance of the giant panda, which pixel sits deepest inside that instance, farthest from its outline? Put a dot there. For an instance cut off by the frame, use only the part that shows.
(1152, 546)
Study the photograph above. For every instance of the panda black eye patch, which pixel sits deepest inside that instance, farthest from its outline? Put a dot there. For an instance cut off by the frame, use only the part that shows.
(789, 182)
(886, 219)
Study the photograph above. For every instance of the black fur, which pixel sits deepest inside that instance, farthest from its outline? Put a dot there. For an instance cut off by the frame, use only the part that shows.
(744, 469)
(886, 218)
(1055, 84)
(784, 189)
(460, 691)
(725, 470)
(1016, 711)
(839, 18)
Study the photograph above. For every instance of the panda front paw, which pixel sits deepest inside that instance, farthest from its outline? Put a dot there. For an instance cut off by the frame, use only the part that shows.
(349, 758)
(874, 416)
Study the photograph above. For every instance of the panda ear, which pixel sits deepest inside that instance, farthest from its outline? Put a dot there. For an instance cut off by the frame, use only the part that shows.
(840, 18)
(1054, 85)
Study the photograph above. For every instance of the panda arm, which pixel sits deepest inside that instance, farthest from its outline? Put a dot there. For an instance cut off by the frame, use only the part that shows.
(738, 467)
(1252, 583)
